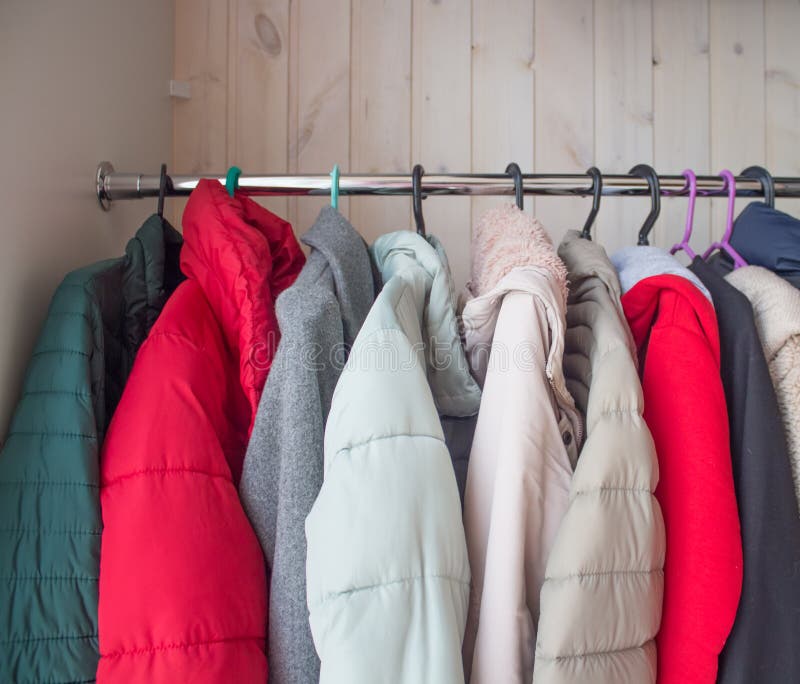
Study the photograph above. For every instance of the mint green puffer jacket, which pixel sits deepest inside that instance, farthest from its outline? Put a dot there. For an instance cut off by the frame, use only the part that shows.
(387, 567)
(50, 520)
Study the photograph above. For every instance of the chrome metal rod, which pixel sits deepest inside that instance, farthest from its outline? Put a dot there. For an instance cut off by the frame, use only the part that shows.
(112, 185)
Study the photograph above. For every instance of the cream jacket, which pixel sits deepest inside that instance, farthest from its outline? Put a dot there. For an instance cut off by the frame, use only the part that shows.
(525, 443)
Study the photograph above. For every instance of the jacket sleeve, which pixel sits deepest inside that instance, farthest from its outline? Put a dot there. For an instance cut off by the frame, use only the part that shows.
(182, 585)
(703, 566)
(388, 576)
(49, 501)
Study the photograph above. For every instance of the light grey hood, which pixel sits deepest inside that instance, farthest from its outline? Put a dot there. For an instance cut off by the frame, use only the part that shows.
(634, 264)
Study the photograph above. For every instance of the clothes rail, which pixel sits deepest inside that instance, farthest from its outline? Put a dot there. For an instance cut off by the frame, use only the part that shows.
(112, 185)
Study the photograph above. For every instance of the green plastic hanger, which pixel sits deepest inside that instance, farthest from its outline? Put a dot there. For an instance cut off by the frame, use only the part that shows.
(232, 179)
(335, 186)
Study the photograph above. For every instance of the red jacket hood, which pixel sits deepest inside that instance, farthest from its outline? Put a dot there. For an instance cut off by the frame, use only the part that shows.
(653, 301)
(242, 256)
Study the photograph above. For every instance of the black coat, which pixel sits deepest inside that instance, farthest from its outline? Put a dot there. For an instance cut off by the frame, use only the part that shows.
(764, 645)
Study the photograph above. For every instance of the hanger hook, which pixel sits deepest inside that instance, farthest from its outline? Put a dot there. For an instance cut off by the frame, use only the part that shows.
(335, 186)
(514, 171)
(597, 191)
(649, 174)
(730, 187)
(767, 183)
(163, 182)
(232, 179)
(691, 186)
(724, 244)
(416, 190)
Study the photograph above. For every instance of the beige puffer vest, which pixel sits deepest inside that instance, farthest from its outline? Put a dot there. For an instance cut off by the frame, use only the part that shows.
(604, 582)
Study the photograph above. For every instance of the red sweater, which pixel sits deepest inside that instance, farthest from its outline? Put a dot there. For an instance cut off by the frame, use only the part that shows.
(182, 577)
(676, 333)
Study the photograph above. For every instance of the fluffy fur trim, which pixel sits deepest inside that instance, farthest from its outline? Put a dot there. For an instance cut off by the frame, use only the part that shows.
(506, 238)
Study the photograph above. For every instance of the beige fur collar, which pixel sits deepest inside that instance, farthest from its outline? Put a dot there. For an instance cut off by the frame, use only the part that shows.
(506, 238)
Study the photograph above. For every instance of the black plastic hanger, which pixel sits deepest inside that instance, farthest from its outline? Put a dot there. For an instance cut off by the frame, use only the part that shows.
(162, 190)
(597, 191)
(514, 171)
(416, 190)
(649, 174)
(767, 183)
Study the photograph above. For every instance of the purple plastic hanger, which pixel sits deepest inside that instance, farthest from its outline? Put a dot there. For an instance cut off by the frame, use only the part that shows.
(725, 244)
(691, 181)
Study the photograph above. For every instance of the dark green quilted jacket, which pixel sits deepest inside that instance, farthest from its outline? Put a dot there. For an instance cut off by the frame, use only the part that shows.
(50, 520)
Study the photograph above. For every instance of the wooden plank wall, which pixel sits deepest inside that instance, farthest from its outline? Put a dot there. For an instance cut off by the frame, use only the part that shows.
(459, 85)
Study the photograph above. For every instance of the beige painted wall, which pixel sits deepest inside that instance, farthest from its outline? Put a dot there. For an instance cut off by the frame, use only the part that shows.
(555, 85)
(80, 81)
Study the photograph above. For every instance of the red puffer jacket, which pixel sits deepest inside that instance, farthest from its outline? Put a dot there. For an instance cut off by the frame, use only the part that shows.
(182, 577)
(676, 333)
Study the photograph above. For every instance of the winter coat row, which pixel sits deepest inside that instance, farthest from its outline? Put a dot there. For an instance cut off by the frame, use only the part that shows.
(590, 403)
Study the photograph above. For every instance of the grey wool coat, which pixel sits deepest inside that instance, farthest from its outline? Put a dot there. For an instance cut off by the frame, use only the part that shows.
(319, 317)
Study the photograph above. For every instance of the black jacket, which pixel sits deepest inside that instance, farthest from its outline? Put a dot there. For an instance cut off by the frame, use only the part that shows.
(764, 645)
